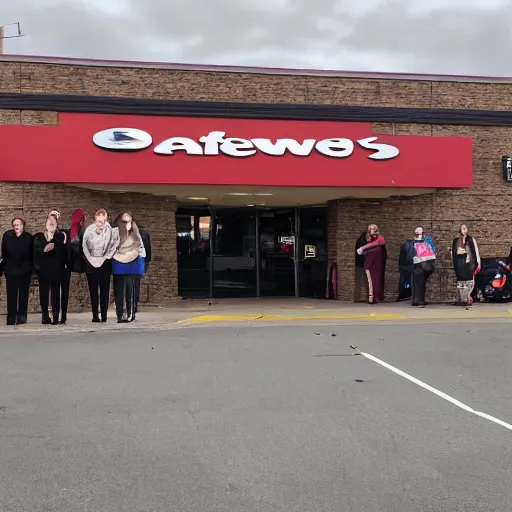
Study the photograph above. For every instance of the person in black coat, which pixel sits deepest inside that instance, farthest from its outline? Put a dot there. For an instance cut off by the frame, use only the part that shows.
(50, 264)
(75, 261)
(17, 267)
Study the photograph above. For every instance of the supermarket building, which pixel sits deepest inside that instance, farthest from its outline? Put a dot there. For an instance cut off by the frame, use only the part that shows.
(252, 182)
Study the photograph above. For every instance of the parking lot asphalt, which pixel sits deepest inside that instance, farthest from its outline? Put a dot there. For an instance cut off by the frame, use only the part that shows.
(269, 418)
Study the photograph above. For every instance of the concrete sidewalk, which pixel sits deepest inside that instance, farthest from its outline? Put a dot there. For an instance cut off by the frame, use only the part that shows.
(205, 312)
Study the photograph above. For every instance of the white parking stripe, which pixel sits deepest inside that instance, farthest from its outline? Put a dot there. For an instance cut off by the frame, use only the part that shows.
(436, 391)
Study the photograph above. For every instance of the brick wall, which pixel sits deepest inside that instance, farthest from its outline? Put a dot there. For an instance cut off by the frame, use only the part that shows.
(485, 207)
(34, 200)
(249, 87)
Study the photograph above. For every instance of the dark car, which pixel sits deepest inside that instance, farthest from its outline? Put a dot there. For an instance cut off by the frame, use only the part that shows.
(494, 282)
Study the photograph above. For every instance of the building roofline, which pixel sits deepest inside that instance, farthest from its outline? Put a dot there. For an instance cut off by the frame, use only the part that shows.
(252, 70)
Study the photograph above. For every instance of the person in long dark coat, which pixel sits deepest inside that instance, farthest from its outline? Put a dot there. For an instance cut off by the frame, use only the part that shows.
(375, 263)
(466, 263)
(17, 246)
(50, 260)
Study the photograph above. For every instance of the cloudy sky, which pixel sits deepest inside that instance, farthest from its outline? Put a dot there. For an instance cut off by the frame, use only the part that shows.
(425, 36)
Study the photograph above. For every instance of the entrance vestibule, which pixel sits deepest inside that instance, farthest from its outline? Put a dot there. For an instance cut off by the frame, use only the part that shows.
(251, 252)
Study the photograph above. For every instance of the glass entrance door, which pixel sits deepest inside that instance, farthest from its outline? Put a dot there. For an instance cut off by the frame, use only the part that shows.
(252, 252)
(234, 253)
(193, 247)
(312, 252)
(277, 246)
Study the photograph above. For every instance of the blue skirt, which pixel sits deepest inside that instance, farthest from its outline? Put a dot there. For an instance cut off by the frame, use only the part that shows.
(135, 267)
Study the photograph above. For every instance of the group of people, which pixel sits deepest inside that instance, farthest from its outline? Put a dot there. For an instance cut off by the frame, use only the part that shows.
(101, 250)
(416, 264)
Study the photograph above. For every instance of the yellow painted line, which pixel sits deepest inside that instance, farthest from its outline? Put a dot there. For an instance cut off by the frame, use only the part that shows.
(295, 308)
(253, 317)
(265, 317)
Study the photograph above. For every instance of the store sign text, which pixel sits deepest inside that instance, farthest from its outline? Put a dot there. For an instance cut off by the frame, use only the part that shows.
(216, 142)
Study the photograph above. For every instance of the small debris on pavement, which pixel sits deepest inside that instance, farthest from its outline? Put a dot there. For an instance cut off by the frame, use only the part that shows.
(355, 349)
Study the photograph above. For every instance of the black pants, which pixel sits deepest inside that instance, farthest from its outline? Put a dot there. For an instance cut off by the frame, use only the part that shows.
(50, 285)
(419, 278)
(64, 297)
(17, 288)
(138, 281)
(126, 293)
(98, 280)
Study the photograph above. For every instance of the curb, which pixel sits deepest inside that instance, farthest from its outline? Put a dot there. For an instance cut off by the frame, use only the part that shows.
(257, 318)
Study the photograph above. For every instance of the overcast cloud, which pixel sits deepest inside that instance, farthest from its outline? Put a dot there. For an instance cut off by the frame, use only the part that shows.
(424, 36)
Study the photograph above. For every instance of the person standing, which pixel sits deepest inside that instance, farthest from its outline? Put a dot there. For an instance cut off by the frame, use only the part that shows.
(74, 256)
(100, 242)
(50, 264)
(17, 267)
(422, 257)
(127, 267)
(375, 263)
(466, 263)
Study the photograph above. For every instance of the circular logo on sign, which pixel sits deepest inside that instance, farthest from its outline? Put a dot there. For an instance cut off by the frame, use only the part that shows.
(123, 139)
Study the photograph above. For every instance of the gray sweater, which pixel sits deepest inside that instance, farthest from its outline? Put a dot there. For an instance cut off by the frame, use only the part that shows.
(100, 246)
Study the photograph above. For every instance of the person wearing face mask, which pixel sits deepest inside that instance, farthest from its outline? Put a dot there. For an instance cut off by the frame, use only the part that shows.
(100, 242)
(50, 264)
(422, 258)
(375, 263)
(127, 267)
(467, 264)
(17, 267)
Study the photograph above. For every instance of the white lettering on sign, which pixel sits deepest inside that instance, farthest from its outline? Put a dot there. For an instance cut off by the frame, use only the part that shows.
(211, 142)
(237, 147)
(383, 151)
(337, 148)
(215, 143)
(169, 146)
(282, 145)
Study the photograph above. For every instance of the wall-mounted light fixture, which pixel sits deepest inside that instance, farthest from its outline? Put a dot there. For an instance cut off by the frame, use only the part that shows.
(506, 165)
